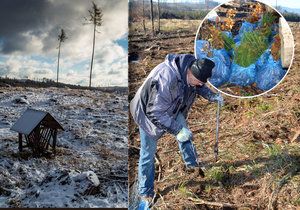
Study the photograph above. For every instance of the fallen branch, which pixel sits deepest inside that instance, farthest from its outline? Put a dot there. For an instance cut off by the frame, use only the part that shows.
(135, 147)
(199, 201)
(157, 159)
(113, 177)
(162, 198)
(272, 112)
(297, 134)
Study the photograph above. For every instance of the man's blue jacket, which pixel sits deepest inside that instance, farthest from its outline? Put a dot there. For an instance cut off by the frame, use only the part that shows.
(164, 94)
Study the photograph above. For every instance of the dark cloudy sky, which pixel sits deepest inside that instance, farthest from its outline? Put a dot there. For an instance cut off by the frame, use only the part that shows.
(28, 41)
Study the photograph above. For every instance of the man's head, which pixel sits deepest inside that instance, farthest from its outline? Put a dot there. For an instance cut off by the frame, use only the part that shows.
(200, 71)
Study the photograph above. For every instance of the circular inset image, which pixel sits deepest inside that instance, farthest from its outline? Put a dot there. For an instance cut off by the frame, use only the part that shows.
(251, 45)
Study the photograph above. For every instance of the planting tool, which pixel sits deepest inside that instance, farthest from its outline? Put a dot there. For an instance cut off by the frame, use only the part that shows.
(216, 147)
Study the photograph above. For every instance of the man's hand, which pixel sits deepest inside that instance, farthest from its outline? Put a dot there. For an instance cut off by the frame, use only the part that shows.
(217, 98)
(184, 135)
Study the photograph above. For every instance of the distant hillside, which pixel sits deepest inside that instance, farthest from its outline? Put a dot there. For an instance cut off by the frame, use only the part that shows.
(287, 9)
(7, 82)
(170, 10)
(190, 6)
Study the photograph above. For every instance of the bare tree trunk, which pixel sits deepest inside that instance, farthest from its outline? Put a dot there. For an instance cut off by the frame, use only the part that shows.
(158, 9)
(90, 84)
(144, 26)
(58, 56)
(206, 4)
(152, 18)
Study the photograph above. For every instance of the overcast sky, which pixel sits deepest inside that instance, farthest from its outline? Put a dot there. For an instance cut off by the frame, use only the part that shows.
(28, 41)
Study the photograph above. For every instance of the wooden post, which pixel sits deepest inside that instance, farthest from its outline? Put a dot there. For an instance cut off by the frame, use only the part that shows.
(152, 17)
(54, 140)
(158, 9)
(144, 24)
(20, 143)
(287, 43)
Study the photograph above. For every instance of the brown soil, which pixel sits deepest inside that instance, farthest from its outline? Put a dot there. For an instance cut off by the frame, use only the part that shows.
(259, 149)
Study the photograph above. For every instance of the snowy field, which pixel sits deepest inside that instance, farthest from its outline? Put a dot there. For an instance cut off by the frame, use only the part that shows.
(92, 151)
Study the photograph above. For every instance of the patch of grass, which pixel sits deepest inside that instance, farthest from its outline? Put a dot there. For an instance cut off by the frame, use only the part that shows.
(250, 114)
(216, 173)
(175, 25)
(278, 158)
(231, 169)
(264, 107)
(167, 25)
(273, 150)
(208, 188)
(281, 159)
(247, 94)
(248, 148)
(184, 190)
(253, 168)
(169, 28)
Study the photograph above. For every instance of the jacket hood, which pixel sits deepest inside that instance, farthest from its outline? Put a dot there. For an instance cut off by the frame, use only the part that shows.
(180, 63)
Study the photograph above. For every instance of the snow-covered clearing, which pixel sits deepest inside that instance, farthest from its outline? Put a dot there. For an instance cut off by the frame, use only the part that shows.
(90, 167)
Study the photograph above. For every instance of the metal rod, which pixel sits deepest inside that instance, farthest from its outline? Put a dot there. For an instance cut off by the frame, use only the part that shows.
(216, 147)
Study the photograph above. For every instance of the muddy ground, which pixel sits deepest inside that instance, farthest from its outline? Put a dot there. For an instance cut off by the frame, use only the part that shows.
(259, 149)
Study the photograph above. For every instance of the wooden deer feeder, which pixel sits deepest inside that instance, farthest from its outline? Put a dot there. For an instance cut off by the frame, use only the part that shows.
(39, 128)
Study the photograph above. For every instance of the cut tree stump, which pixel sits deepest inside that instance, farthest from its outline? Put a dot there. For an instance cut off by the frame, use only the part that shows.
(287, 43)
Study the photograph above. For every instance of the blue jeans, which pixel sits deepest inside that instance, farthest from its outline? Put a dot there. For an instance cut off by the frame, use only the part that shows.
(146, 169)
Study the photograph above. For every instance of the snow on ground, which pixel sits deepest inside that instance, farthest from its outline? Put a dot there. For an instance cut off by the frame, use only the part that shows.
(90, 167)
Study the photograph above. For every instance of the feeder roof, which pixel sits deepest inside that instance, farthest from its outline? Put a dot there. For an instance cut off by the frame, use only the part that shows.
(31, 118)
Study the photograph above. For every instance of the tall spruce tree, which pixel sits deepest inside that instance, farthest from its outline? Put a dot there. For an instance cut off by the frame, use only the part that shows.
(95, 18)
(61, 38)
